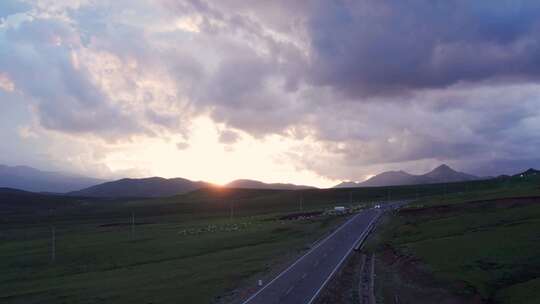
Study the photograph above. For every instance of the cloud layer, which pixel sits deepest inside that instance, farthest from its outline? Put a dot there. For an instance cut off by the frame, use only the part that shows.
(383, 47)
(360, 86)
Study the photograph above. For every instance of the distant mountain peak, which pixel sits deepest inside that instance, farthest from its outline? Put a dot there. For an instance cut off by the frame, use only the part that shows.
(444, 173)
(441, 174)
(529, 172)
(444, 167)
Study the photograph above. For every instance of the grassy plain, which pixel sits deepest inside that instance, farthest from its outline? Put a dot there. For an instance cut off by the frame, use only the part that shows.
(188, 261)
(192, 248)
(481, 246)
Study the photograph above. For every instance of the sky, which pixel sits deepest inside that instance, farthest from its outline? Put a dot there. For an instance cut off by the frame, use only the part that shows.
(308, 92)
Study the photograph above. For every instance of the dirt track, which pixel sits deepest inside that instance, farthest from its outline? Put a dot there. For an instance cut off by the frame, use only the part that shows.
(367, 273)
(352, 284)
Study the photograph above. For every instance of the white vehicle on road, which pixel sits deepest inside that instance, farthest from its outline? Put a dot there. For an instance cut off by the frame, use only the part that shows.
(340, 209)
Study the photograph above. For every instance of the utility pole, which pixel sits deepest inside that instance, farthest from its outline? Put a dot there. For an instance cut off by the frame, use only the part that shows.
(25, 248)
(302, 202)
(350, 198)
(53, 236)
(53, 244)
(232, 210)
(132, 225)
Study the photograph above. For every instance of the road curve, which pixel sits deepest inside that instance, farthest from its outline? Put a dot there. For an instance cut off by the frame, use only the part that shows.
(302, 282)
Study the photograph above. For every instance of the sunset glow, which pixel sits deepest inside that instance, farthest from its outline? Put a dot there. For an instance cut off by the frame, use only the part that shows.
(219, 91)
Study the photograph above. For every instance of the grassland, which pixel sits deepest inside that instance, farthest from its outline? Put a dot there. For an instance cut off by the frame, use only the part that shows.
(477, 247)
(173, 262)
(194, 248)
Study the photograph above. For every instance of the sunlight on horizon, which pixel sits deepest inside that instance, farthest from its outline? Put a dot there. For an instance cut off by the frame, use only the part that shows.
(206, 159)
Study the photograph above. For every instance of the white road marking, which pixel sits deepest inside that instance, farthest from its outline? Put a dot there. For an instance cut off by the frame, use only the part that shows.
(301, 258)
(289, 290)
(342, 260)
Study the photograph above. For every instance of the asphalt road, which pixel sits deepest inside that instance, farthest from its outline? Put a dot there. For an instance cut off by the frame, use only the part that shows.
(302, 282)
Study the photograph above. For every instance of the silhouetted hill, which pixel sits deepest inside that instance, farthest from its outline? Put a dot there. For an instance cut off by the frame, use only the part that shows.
(253, 184)
(31, 179)
(529, 172)
(394, 178)
(441, 174)
(142, 187)
(445, 174)
(19, 200)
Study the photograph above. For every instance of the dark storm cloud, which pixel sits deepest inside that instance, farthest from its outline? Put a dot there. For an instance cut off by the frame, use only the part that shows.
(242, 93)
(384, 47)
(486, 124)
(371, 83)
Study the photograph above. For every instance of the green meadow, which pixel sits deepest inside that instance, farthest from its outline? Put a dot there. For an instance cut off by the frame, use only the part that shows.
(212, 245)
(184, 261)
(480, 246)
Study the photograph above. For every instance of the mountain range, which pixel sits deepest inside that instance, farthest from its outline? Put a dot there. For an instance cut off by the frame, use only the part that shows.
(441, 174)
(161, 187)
(30, 179)
(253, 184)
(34, 180)
(142, 187)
